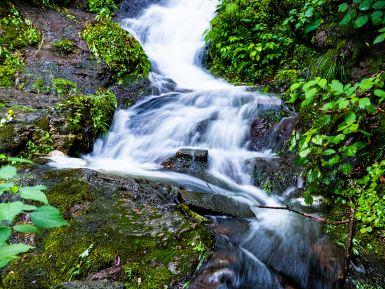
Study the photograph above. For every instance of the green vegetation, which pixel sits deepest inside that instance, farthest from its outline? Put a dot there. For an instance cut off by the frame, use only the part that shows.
(101, 6)
(64, 86)
(117, 48)
(16, 33)
(91, 111)
(20, 201)
(342, 146)
(64, 46)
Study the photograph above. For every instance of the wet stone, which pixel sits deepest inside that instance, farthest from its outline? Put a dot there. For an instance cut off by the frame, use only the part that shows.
(187, 160)
(91, 285)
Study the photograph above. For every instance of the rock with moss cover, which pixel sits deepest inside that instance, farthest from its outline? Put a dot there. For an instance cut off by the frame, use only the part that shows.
(40, 123)
(121, 51)
(121, 230)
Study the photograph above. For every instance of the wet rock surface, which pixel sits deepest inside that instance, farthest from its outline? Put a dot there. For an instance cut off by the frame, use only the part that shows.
(131, 230)
(271, 129)
(276, 175)
(216, 204)
(133, 8)
(187, 161)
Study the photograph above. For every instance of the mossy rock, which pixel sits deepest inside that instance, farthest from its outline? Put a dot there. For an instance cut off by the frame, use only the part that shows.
(126, 230)
(119, 49)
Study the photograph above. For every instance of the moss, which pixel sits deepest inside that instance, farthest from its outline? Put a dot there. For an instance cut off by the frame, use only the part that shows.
(116, 47)
(64, 86)
(63, 47)
(108, 227)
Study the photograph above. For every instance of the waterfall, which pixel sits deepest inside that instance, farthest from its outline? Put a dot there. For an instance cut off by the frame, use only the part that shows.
(154, 129)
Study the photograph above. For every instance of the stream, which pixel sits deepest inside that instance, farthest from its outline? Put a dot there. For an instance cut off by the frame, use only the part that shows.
(274, 249)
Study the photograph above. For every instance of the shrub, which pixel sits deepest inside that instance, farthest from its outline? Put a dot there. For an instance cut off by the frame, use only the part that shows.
(341, 148)
(116, 47)
(96, 6)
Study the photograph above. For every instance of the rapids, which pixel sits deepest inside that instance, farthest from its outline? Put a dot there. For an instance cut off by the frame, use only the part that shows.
(273, 249)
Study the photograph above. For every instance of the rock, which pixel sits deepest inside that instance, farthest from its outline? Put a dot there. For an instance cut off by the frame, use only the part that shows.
(91, 285)
(132, 8)
(271, 129)
(132, 229)
(187, 160)
(216, 204)
(276, 175)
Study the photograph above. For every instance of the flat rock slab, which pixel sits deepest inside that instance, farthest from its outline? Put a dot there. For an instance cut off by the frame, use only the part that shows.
(216, 204)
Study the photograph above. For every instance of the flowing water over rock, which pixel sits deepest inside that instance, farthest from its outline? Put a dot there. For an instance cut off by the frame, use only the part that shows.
(194, 110)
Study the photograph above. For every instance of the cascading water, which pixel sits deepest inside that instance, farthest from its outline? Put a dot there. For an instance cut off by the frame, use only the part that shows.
(203, 112)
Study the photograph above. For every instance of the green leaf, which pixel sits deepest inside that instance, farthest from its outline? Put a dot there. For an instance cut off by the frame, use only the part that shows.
(361, 21)
(328, 152)
(343, 7)
(343, 103)
(365, 5)
(5, 233)
(364, 102)
(8, 211)
(8, 172)
(334, 160)
(313, 26)
(379, 5)
(34, 193)
(377, 17)
(29, 207)
(47, 217)
(9, 253)
(346, 20)
(25, 228)
(311, 93)
(19, 160)
(380, 38)
(379, 93)
(350, 118)
(337, 87)
(295, 86)
(322, 83)
(346, 168)
(5, 187)
(305, 152)
(337, 139)
(309, 12)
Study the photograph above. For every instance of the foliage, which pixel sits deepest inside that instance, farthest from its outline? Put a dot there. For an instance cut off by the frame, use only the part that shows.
(361, 13)
(64, 86)
(40, 144)
(20, 201)
(247, 41)
(95, 111)
(116, 47)
(101, 6)
(10, 64)
(64, 46)
(39, 86)
(340, 147)
(51, 3)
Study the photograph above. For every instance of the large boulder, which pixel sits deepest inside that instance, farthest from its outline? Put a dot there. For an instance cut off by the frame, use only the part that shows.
(128, 230)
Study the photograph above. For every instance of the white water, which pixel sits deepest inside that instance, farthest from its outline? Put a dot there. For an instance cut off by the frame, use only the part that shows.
(155, 128)
(202, 113)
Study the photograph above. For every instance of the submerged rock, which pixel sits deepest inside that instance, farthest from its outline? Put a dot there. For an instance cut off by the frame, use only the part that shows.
(187, 161)
(128, 231)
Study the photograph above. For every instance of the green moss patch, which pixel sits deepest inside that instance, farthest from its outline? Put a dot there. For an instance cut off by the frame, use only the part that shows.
(157, 246)
(116, 47)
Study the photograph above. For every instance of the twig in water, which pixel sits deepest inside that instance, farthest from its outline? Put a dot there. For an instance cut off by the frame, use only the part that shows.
(318, 219)
(209, 187)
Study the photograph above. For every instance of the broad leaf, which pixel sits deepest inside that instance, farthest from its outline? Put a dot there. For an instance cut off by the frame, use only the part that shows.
(34, 193)
(5, 233)
(343, 7)
(8, 172)
(8, 211)
(361, 21)
(9, 253)
(47, 217)
(5, 187)
(25, 228)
